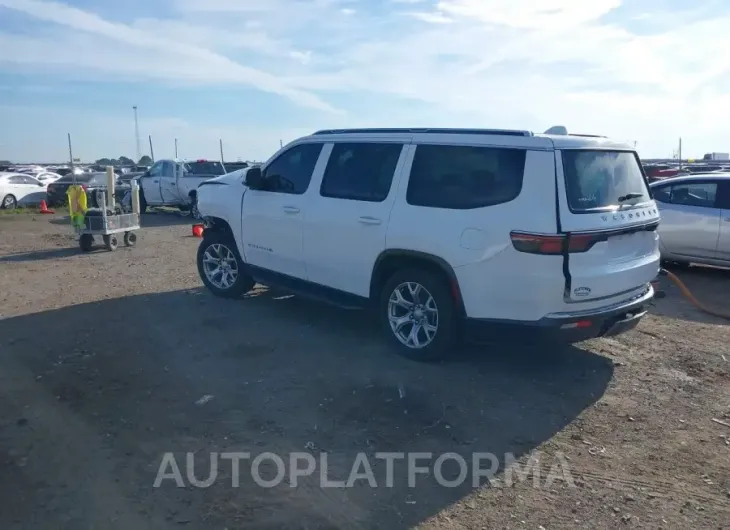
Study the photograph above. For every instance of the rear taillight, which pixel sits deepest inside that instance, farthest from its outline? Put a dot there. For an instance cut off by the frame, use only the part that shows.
(553, 244)
(537, 243)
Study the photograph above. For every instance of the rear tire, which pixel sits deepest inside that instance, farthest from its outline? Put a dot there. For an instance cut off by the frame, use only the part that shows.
(221, 268)
(194, 212)
(421, 324)
(130, 239)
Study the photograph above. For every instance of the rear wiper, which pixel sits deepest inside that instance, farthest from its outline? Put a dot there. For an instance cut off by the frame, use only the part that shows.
(630, 196)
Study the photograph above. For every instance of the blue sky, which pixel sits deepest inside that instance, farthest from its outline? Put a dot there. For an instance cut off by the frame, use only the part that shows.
(254, 72)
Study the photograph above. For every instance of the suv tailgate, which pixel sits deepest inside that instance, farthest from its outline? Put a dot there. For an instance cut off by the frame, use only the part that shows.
(608, 213)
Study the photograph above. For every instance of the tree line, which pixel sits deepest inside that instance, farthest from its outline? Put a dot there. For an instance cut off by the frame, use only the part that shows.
(124, 161)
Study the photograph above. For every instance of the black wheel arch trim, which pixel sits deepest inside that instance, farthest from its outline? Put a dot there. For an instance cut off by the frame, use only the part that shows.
(441, 263)
(217, 224)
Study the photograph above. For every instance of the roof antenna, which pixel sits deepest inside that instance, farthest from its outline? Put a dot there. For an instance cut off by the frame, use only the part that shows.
(557, 129)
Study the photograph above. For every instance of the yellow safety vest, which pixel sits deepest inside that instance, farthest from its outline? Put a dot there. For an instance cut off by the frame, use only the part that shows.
(77, 206)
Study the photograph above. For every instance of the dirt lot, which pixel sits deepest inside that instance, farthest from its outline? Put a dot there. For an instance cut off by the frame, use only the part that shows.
(104, 356)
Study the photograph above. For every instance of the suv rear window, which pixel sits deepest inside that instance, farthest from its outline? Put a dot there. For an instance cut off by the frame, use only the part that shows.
(463, 177)
(83, 178)
(204, 168)
(598, 180)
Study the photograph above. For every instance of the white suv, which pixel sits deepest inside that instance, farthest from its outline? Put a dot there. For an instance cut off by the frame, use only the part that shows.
(435, 228)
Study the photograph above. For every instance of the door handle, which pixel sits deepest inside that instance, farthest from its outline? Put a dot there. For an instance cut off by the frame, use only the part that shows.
(367, 220)
(155, 181)
(291, 209)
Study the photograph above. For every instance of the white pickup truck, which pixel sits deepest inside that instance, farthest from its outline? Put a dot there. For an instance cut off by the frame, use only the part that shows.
(175, 182)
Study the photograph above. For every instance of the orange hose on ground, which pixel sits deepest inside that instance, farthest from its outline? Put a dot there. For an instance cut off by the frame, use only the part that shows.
(686, 292)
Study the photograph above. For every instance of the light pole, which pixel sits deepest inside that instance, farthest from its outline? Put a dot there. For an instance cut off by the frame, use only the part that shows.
(136, 134)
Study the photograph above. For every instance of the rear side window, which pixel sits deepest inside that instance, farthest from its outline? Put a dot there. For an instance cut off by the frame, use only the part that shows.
(360, 171)
(463, 177)
(598, 180)
(702, 194)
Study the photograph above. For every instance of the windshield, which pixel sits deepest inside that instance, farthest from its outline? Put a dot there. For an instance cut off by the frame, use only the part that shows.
(598, 180)
(204, 168)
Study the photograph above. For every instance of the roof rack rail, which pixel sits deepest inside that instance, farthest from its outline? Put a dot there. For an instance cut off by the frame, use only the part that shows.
(503, 132)
(588, 135)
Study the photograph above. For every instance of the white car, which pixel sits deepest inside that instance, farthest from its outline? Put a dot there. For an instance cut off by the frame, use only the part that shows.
(695, 225)
(46, 177)
(438, 228)
(17, 189)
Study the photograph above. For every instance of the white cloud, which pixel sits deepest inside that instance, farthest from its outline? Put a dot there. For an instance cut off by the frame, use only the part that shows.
(433, 17)
(501, 63)
(181, 53)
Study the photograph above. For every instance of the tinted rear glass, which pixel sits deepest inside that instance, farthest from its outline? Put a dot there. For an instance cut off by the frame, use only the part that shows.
(204, 168)
(464, 177)
(597, 180)
(85, 177)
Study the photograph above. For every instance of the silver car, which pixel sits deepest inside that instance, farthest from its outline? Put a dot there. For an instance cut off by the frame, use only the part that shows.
(695, 218)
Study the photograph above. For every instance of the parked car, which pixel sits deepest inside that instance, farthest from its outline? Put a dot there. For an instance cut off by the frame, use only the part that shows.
(94, 184)
(439, 228)
(17, 189)
(175, 183)
(695, 212)
(46, 177)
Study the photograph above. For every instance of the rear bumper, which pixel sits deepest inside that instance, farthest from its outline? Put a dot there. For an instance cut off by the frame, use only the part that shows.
(574, 326)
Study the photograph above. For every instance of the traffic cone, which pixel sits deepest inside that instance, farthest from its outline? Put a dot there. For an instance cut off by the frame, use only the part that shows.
(198, 230)
(44, 208)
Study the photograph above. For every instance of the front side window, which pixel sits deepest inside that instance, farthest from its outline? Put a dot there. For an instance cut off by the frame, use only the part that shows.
(465, 177)
(360, 171)
(168, 170)
(292, 170)
(599, 180)
(156, 169)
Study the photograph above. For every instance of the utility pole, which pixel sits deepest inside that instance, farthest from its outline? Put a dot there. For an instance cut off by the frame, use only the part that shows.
(152, 151)
(71, 159)
(136, 134)
(281, 144)
(175, 147)
(70, 151)
(680, 154)
(220, 144)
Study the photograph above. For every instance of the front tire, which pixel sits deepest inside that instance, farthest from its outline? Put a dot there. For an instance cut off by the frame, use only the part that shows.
(418, 314)
(110, 242)
(86, 242)
(221, 268)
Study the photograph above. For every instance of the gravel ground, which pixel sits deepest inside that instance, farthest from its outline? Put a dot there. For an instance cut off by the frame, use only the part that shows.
(110, 360)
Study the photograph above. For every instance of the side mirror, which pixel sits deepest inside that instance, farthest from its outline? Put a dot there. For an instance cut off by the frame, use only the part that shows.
(255, 179)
